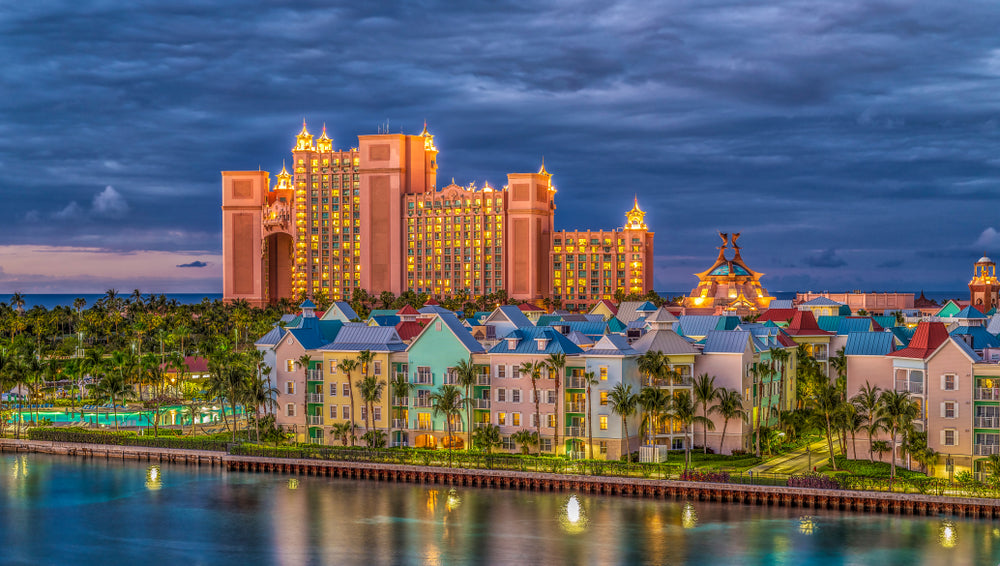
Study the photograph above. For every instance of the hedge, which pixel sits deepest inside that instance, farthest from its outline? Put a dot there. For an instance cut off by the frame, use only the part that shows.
(218, 443)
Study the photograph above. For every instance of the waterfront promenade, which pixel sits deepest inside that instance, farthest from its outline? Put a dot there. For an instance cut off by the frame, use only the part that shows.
(774, 496)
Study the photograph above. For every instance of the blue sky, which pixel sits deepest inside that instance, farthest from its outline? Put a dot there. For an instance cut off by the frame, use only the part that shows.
(854, 144)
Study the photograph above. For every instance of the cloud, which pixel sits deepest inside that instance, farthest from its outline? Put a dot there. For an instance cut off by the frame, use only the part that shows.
(195, 263)
(70, 211)
(825, 258)
(110, 203)
(988, 240)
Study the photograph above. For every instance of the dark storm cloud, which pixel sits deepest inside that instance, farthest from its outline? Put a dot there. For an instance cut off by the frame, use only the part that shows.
(195, 263)
(862, 126)
(825, 258)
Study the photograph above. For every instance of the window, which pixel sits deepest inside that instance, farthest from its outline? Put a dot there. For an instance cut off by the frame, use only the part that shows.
(290, 388)
(377, 414)
(604, 422)
(515, 419)
(424, 421)
(604, 373)
(550, 398)
(501, 371)
(378, 367)
(552, 420)
(290, 410)
(949, 410)
(502, 419)
(515, 395)
(545, 445)
(949, 382)
(346, 412)
(604, 398)
(364, 413)
(501, 395)
(603, 447)
(333, 411)
(333, 390)
(289, 365)
(949, 437)
(346, 389)
(507, 443)
(333, 367)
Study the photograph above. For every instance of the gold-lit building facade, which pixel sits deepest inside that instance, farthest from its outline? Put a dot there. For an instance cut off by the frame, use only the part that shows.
(729, 286)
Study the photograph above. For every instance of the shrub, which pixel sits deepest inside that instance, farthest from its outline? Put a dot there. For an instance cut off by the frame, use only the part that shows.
(813, 481)
(702, 476)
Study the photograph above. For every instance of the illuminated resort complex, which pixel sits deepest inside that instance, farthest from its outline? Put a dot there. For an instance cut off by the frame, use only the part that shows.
(373, 218)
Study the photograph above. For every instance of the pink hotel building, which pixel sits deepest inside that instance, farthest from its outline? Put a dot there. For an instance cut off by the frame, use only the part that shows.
(372, 218)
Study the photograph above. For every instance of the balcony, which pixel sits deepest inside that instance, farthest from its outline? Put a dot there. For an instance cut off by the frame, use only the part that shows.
(400, 401)
(575, 431)
(985, 449)
(422, 379)
(314, 398)
(314, 420)
(820, 356)
(482, 403)
(451, 379)
(987, 394)
(578, 382)
(478, 426)
(314, 375)
(913, 388)
(987, 422)
(576, 407)
(483, 380)
(426, 426)
(422, 402)
(400, 424)
(400, 444)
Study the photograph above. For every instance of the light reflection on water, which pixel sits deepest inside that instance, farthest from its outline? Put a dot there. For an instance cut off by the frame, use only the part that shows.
(107, 512)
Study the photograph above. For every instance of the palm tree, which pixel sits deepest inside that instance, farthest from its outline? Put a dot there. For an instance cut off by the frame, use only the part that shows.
(654, 402)
(867, 403)
(113, 387)
(651, 365)
(371, 389)
(488, 438)
(992, 465)
(466, 373)
(590, 379)
(344, 431)
(400, 388)
(730, 406)
(780, 357)
(534, 370)
(347, 366)
(556, 364)
(525, 439)
(705, 392)
(623, 403)
(684, 410)
(17, 302)
(898, 411)
(447, 401)
(839, 364)
(827, 400)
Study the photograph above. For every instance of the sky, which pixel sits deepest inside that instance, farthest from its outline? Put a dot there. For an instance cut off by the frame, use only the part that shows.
(854, 144)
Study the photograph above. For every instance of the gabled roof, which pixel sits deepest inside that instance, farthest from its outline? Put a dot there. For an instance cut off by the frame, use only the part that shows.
(695, 325)
(358, 337)
(608, 304)
(726, 342)
(548, 319)
(307, 304)
(579, 338)
(459, 330)
(780, 304)
(512, 314)
(821, 302)
(627, 311)
(315, 332)
(409, 329)
(345, 309)
(390, 320)
(902, 334)
(967, 350)
(615, 325)
(434, 309)
(970, 312)
(777, 315)
(527, 342)
(272, 337)
(431, 302)
(885, 321)
(978, 335)
(665, 341)
(804, 324)
(528, 307)
(388, 312)
(612, 345)
(993, 326)
(926, 340)
(584, 327)
(869, 344)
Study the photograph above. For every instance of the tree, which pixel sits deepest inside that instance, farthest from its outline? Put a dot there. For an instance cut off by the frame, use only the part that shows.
(654, 402)
(898, 411)
(684, 410)
(399, 388)
(839, 364)
(534, 370)
(827, 400)
(113, 388)
(374, 438)
(623, 403)
(730, 406)
(344, 431)
(992, 465)
(488, 438)
(556, 364)
(525, 439)
(867, 403)
(447, 401)
(348, 365)
(705, 392)
(651, 365)
(590, 379)
(780, 357)
(371, 389)
(466, 374)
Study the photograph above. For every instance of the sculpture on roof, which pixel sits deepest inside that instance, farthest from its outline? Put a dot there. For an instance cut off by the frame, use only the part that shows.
(729, 286)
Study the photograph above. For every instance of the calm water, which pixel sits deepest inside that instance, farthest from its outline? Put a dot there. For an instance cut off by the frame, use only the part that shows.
(173, 415)
(71, 511)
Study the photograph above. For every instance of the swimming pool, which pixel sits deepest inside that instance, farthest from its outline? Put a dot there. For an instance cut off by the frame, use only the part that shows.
(172, 415)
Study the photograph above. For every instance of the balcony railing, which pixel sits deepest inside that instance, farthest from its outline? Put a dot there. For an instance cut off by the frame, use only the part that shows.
(314, 375)
(482, 403)
(315, 398)
(400, 443)
(576, 383)
(422, 379)
(451, 379)
(987, 394)
(913, 388)
(574, 431)
(422, 402)
(576, 407)
(987, 422)
(478, 426)
(820, 356)
(400, 401)
(985, 449)
(315, 420)
(424, 426)
(483, 380)
(400, 424)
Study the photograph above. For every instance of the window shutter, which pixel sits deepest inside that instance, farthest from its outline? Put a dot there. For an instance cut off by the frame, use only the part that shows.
(942, 383)
(956, 382)
(942, 438)
(955, 438)
(943, 410)
(956, 409)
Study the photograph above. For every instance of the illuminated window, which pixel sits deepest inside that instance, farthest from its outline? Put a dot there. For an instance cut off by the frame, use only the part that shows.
(604, 422)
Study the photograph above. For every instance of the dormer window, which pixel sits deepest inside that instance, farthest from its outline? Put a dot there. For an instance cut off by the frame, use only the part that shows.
(511, 343)
(542, 343)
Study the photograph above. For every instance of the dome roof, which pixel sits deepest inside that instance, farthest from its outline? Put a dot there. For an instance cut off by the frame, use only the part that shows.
(727, 268)
(985, 259)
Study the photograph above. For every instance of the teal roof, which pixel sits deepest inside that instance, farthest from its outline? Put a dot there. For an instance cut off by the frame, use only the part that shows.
(726, 341)
(526, 342)
(615, 325)
(978, 335)
(903, 334)
(701, 325)
(970, 313)
(382, 312)
(725, 270)
(869, 344)
(548, 319)
(885, 321)
(820, 302)
(313, 332)
(307, 304)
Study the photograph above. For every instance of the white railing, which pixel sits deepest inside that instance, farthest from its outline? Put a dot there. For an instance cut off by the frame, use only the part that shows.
(400, 443)
(576, 407)
(315, 398)
(422, 379)
(913, 388)
(987, 422)
(987, 394)
(985, 449)
(422, 402)
(574, 431)
(483, 379)
(820, 356)
(314, 375)
(451, 378)
(315, 420)
(400, 401)
(576, 383)
(400, 424)
(425, 426)
(482, 403)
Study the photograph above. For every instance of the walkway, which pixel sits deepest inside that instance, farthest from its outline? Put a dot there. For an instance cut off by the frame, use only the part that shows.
(797, 462)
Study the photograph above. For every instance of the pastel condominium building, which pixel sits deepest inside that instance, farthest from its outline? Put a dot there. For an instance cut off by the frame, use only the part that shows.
(372, 217)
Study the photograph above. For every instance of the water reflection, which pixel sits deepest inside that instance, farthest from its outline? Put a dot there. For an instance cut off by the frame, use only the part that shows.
(573, 517)
(807, 525)
(293, 483)
(948, 534)
(154, 481)
(689, 517)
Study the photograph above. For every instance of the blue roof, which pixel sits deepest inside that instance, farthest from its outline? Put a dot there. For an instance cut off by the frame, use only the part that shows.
(587, 328)
(548, 319)
(980, 337)
(724, 270)
(637, 323)
(967, 349)
(726, 341)
(885, 321)
(385, 320)
(272, 337)
(515, 315)
(382, 312)
(313, 333)
(828, 323)
(480, 316)
(970, 312)
(869, 344)
(461, 332)
(820, 302)
(612, 345)
(781, 304)
(346, 309)
(646, 307)
(903, 334)
(697, 325)
(358, 337)
(728, 322)
(434, 309)
(307, 304)
(557, 343)
(615, 325)
(993, 326)
(848, 325)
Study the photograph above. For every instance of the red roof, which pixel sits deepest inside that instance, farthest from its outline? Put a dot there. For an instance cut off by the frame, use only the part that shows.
(432, 302)
(408, 309)
(525, 307)
(409, 329)
(195, 364)
(926, 340)
(785, 341)
(611, 306)
(777, 315)
(804, 324)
